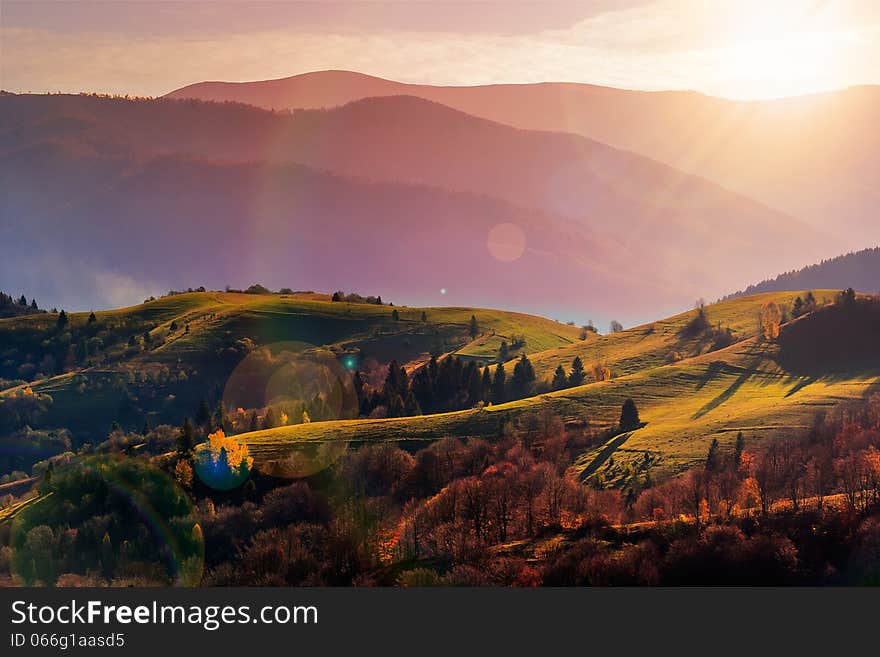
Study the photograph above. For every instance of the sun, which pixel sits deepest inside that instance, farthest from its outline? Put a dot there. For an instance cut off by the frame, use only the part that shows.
(787, 66)
(780, 51)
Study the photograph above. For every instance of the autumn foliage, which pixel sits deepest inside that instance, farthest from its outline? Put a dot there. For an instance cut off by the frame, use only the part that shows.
(222, 462)
(770, 319)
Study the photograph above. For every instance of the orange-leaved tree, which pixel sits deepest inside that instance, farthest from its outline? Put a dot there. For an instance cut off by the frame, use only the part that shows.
(771, 318)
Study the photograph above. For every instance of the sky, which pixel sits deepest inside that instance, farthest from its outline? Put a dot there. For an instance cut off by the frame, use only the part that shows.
(745, 49)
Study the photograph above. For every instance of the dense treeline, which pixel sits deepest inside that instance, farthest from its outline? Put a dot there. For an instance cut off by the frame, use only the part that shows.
(444, 384)
(11, 307)
(861, 270)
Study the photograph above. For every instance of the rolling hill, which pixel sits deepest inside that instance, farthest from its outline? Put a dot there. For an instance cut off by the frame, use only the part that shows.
(198, 339)
(814, 157)
(210, 344)
(685, 404)
(611, 232)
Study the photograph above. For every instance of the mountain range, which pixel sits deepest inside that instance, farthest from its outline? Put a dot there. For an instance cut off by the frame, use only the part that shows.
(815, 157)
(111, 198)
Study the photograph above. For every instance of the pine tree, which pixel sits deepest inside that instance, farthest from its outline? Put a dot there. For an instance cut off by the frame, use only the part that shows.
(503, 352)
(186, 440)
(22, 301)
(738, 449)
(474, 329)
(221, 419)
(62, 320)
(358, 384)
(379, 300)
(424, 317)
(498, 386)
(395, 405)
(92, 318)
(712, 457)
(810, 302)
(474, 386)
(560, 380)
(395, 382)
(395, 316)
(203, 414)
(523, 377)
(411, 406)
(270, 421)
(336, 297)
(486, 385)
(576, 378)
(629, 416)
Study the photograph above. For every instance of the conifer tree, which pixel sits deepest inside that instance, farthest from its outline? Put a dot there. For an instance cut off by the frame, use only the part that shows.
(411, 405)
(498, 384)
(486, 384)
(629, 416)
(738, 449)
(713, 458)
(523, 377)
(186, 440)
(270, 420)
(576, 378)
(503, 352)
(560, 380)
(474, 329)
(474, 386)
(203, 414)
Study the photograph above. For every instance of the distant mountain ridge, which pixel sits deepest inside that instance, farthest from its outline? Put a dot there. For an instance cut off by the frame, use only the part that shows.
(859, 270)
(605, 233)
(813, 157)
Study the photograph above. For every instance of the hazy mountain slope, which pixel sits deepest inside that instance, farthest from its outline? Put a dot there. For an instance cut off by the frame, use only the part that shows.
(860, 271)
(815, 157)
(171, 221)
(647, 239)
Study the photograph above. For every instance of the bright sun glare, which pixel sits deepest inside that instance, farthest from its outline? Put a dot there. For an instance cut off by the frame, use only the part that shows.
(781, 52)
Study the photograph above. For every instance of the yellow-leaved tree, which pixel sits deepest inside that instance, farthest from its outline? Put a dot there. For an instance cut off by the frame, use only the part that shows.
(222, 462)
(771, 318)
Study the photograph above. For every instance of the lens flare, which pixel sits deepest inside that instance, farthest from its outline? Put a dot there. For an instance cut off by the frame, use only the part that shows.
(506, 242)
(303, 384)
(294, 377)
(122, 518)
(221, 462)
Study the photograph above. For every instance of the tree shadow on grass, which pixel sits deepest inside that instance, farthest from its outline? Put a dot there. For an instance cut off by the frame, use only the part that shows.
(607, 450)
(747, 372)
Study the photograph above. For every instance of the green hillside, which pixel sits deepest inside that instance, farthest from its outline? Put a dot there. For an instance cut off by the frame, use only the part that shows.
(654, 344)
(157, 360)
(707, 394)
